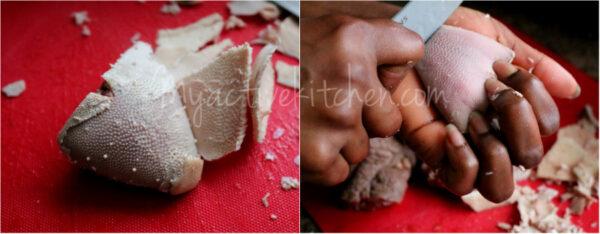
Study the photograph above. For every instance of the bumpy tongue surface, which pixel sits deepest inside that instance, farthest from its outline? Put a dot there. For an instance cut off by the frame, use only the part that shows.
(135, 130)
(454, 68)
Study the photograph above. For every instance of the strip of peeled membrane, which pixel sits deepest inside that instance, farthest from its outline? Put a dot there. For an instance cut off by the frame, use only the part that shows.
(539, 214)
(181, 62)
(454, 68)
(80, 17)
(381, 179)
(288, 75)
(266, 10)
(478, 203)
(170, 56)
(536, 210)
(574, 145)
(519, 174)
(262, 83)
(215, 99)
(286, 36)
(193, 36)
(14, 89)
(234, 22)
(170, 8)
(134, 129)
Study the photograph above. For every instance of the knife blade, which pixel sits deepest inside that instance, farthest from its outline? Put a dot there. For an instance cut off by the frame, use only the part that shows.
(425, 17)
(291, 6)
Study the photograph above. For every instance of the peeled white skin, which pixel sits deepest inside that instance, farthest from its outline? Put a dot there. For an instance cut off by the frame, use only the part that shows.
(454, 68)
(262, 83)
(216, 102)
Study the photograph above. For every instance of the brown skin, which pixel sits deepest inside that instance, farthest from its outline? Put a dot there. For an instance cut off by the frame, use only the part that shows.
(332, 138)
(495, 178)
(546, 112)
(517, 122)
(340, 51)
(557, 80)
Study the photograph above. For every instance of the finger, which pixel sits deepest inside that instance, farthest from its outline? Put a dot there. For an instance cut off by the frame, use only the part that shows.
(357, 146)
(421, 126)
(428, 143)
(459, 172)
(495, 181)
(392, 75)
(320, 147)
(336, 173)
(533, 90)
(517, 123)
(381, 116)
(557, 80)
(397, 49)
(395, 44)
(411, 100)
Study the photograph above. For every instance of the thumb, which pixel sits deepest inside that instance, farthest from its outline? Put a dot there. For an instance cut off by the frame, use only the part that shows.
(396, 50)
(392, 75)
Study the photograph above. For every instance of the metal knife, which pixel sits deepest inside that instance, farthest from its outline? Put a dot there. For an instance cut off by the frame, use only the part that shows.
(425, 17)
(291, 6)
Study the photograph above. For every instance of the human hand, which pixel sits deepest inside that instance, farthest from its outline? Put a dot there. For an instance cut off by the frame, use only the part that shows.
(348, 70)
(520, 133)
(555, 78)
(517, 143)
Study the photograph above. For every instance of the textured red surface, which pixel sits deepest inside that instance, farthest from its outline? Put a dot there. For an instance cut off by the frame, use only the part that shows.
(43, 192)
(427, 209)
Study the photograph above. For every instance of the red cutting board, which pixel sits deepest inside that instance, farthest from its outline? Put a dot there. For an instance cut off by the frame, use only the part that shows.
(43, 192)
(427, 209)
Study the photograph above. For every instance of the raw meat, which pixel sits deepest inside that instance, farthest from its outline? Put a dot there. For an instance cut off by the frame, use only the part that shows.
(134, 129)
(454, 68)
(215, 100)
(381, 179)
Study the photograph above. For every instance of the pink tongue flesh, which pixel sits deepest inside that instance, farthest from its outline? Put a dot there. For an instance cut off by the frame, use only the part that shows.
(454, 68)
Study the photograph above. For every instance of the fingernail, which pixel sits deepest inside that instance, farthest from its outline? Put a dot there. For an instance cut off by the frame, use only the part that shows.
(477, 122)
(504, 69)
(456, 138)
(577, 93)
(493, 88)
